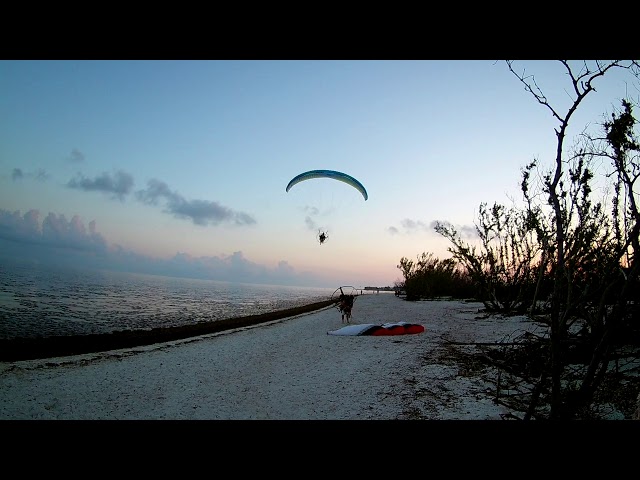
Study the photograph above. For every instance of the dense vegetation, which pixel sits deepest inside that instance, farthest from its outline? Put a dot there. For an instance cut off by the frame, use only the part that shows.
(563, 257)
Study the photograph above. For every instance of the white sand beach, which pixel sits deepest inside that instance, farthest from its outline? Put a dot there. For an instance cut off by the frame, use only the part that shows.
(289, 369)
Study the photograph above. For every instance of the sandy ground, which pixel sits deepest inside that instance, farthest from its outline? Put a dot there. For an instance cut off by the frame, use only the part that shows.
(289, 369)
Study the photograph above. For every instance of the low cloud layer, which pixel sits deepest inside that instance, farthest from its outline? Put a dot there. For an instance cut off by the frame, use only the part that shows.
(54, 240)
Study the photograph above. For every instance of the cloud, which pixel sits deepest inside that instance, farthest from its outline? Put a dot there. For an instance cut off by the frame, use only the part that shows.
(310, 223)
(311, 210)
(76, 156)
(412, 225)
(54, 231)
(237, 268)
(284, 267)
(409, 227)
(41, 175)
(19, 174)
(201, 212)
(465, 231)
(309, 220)
(118, 186)
(20, 228)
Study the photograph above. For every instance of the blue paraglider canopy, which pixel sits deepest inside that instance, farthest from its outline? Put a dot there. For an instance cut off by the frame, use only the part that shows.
(343, 177)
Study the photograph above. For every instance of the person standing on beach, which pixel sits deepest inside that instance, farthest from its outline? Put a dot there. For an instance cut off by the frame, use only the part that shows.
(345, 305)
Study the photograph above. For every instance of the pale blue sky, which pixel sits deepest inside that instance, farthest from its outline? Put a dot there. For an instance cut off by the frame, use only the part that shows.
(180, 167)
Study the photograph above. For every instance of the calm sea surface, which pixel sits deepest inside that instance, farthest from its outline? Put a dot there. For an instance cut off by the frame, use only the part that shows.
(37, 301)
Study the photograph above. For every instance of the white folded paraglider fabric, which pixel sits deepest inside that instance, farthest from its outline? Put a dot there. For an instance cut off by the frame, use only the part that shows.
(377, 330)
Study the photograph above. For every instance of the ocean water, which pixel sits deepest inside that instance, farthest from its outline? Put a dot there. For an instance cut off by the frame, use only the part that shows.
(39, 301)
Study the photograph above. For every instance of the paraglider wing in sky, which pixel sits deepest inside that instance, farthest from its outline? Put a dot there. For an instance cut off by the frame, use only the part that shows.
(343, 177)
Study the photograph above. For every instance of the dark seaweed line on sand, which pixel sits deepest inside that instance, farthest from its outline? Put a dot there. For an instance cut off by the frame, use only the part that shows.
(60, 346)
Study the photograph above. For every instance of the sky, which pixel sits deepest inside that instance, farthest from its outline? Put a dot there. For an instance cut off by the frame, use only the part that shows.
(180, 167)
